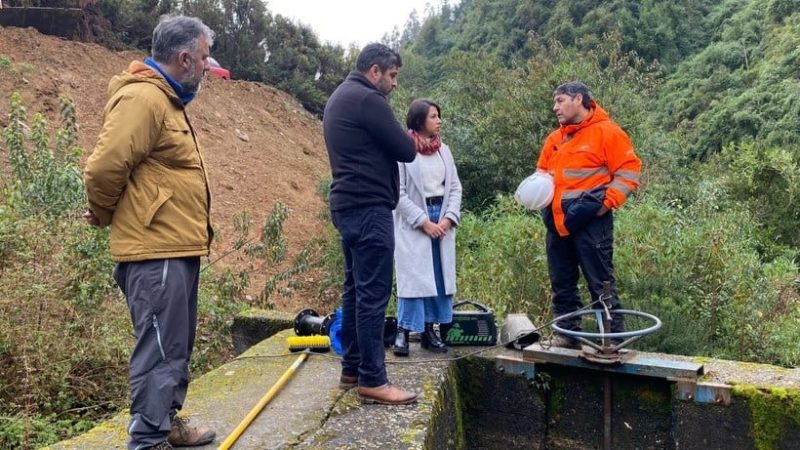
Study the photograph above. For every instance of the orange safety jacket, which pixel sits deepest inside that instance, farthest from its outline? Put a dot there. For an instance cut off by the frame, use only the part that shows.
(589, 156)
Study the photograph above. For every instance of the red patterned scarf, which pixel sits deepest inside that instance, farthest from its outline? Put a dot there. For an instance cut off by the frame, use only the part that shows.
(426, 146)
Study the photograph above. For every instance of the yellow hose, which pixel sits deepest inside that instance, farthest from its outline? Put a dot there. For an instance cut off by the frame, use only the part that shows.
(228, 443)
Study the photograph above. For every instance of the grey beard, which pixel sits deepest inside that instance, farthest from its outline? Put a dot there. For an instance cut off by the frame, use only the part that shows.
(190, 85)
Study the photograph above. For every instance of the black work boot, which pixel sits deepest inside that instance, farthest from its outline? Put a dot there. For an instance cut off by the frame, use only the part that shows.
(431, 341)
(401, 342)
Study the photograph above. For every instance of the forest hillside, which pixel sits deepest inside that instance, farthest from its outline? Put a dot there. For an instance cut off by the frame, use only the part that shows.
(65, 332)
(707, 91)
(710, 243)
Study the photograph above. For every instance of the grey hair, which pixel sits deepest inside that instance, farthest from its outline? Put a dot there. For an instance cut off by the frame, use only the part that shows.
(175, 34)
(574, 88)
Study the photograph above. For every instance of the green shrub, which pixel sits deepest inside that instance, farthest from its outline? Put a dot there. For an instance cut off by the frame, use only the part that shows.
(742, 86)
(46, 181)
(85, 262)
(63, 354)
(65, 332)
(501, 261)
(496, 117)
(696, 265)
(766, 181)
(20, 432)
(221, 298)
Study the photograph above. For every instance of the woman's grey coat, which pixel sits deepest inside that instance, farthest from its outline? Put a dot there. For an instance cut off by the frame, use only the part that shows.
(412, 252)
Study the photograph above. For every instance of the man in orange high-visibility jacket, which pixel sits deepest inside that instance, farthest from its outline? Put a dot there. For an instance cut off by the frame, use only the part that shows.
(594, 169)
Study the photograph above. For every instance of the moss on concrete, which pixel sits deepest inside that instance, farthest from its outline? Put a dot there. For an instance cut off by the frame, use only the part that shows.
(272, 358)
(772, 410)
(452, 403)
(110, 434)
(345, 404)
(555, 396)
(470, 376)
(458, 405)
(410, 435)
(255, 325)
(446, 405)
(649, 397)
(255, 312)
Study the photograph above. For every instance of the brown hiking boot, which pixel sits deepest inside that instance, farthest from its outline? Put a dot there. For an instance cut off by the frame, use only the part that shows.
(162, 446)
(385, 395)
(183, 435)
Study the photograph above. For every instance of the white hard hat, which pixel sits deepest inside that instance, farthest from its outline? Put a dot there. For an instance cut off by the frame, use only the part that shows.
(536, 191)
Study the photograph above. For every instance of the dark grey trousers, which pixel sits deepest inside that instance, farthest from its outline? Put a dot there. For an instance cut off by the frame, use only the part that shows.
(162, 299)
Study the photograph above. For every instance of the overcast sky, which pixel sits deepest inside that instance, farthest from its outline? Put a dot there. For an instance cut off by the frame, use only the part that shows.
(346, 21)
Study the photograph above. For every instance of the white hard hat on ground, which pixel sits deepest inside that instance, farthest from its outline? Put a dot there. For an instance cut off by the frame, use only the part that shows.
(536, 191)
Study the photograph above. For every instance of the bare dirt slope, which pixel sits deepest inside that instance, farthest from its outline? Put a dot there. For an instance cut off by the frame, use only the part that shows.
(260, 145)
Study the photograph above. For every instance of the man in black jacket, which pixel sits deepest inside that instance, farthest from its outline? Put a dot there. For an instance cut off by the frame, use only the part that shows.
(365, 142)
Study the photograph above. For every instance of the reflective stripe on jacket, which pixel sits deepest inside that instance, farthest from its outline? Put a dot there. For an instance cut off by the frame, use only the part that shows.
(591, 162)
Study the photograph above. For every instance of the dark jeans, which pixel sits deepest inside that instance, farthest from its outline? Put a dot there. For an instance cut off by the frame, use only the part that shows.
(368, 245)
(591, 249)
(162, 299)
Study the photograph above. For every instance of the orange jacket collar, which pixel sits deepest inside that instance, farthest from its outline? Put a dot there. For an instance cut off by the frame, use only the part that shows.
(596, 114)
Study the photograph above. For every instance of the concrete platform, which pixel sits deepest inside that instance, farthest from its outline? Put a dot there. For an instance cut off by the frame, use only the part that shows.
(310, 412)
(495, 399)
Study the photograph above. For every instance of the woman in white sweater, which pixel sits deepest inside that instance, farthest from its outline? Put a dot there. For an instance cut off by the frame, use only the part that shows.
(424, 225)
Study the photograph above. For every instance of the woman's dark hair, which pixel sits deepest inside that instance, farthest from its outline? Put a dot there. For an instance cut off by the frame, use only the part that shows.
(418, 113)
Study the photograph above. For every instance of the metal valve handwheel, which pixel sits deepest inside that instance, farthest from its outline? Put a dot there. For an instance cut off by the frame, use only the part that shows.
(610, 343)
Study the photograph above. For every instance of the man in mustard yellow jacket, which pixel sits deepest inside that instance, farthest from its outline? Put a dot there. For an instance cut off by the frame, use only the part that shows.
(147, 180)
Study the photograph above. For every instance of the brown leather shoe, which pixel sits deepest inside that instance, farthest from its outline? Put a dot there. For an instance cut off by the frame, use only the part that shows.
(385, 395)
(182, 435)
(347, 382)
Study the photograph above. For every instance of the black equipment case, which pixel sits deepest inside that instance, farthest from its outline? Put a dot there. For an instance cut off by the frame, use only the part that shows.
(470, 327)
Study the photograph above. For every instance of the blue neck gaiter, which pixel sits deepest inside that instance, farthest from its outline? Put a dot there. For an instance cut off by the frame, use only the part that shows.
(185, 97)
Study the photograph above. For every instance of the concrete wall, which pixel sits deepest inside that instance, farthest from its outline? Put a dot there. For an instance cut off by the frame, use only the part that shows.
(253, 327)
(492, 400)
(56, 22)
(562, 409)
(481, 407)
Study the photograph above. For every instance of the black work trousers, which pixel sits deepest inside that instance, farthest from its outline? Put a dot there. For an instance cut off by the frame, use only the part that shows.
(591, 250)
(162, 299)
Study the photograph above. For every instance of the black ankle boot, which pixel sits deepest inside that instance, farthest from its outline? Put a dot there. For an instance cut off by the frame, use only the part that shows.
(431, 341)
(401, 342)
